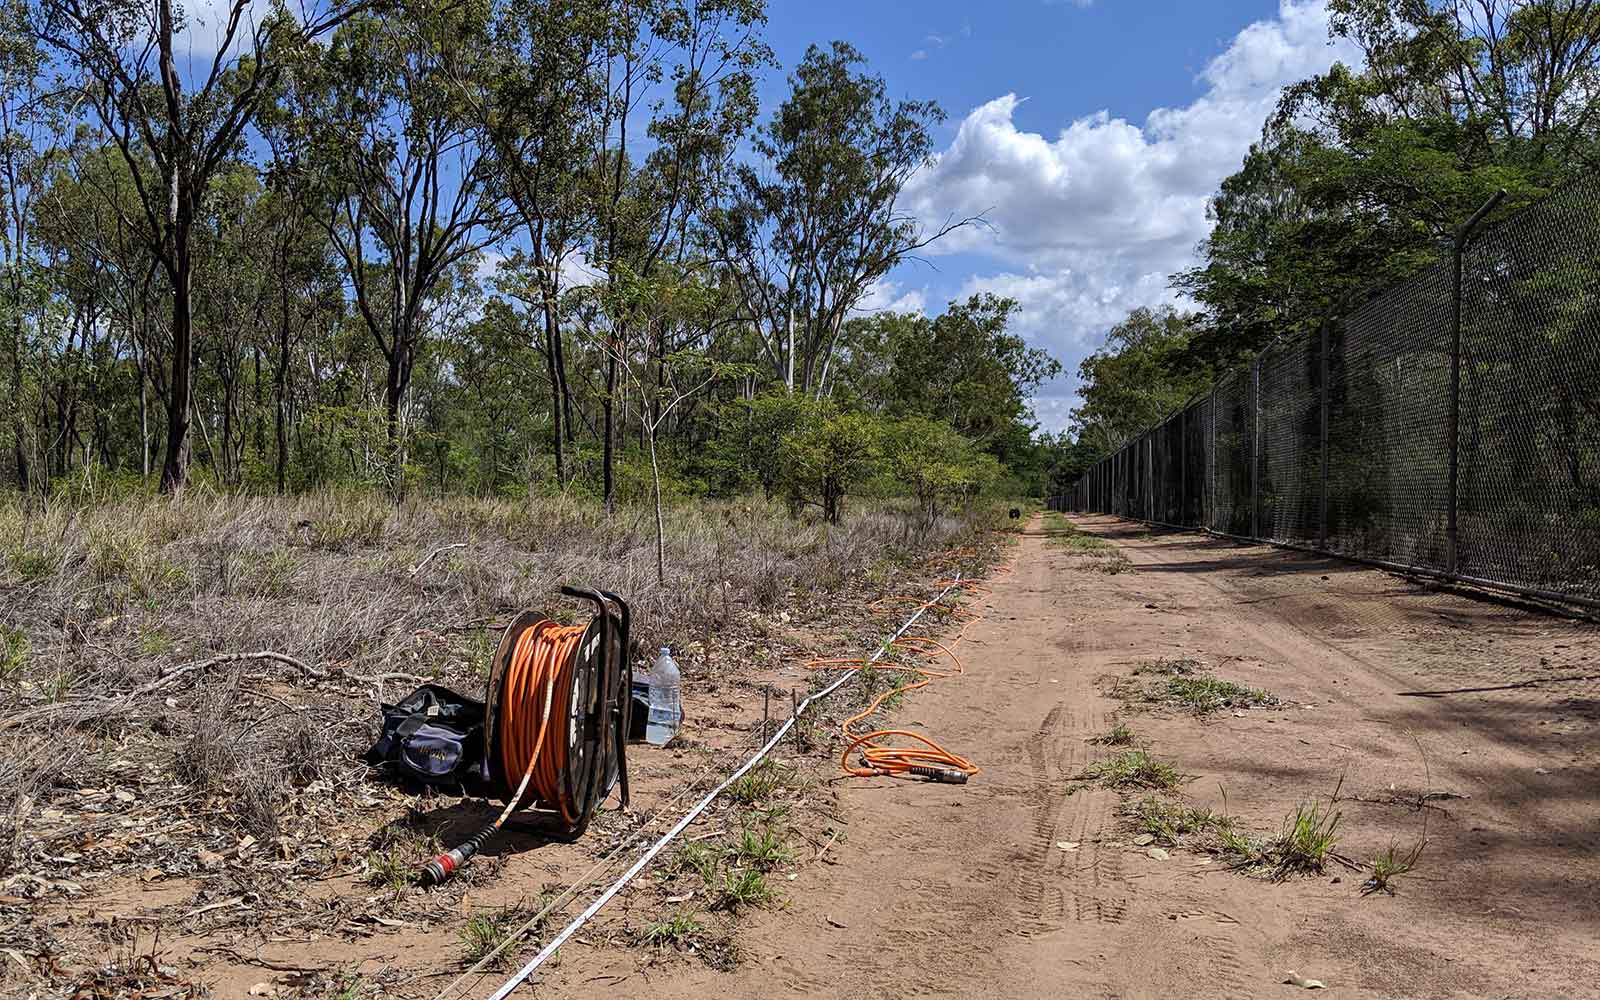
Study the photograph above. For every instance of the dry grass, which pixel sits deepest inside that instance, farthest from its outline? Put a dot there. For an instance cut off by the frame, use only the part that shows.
(101, 601)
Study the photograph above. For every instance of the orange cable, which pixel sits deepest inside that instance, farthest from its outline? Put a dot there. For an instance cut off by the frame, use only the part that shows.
(929, 756)
(538, 689)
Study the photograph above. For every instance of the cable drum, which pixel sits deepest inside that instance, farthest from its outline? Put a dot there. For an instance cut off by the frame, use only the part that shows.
(556, 725)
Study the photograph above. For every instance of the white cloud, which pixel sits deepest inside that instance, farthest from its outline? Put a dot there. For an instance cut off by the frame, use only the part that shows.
(920, 54)
(886, 296)
(1090, 223)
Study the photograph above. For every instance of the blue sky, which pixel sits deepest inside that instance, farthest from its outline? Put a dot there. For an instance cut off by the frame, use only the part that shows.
(1090, 133)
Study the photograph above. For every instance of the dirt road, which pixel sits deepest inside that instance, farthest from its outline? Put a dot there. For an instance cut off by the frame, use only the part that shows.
(967, 891)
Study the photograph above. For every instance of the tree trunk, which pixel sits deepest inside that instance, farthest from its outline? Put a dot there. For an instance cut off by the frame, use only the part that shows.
(608, 452)
(661, 530)
(175, 466)
(279, 385)
(552, 339)
(144, 420)
(18, 422)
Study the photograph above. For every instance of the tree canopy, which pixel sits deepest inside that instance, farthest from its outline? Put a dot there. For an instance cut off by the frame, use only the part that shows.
(501, 247)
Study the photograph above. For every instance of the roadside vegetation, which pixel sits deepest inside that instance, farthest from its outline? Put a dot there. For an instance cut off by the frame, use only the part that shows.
(1187, 684)
(1095, 553)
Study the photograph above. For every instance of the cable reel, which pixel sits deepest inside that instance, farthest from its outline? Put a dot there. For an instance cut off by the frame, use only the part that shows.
(556, 725)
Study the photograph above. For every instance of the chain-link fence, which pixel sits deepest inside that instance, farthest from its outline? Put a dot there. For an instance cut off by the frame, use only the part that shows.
(1450, 426)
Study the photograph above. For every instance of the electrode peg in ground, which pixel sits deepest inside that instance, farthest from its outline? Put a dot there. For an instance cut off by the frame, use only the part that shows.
(794, 715)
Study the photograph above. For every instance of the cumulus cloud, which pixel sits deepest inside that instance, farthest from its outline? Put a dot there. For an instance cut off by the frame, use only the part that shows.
(887, 296)
(1090, 223)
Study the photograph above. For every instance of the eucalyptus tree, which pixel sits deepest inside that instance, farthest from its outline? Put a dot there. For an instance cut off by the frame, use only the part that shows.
(690, 65)
(175, 128)
(391, 115)
(22, 114)
(808, 229)
(542, 109)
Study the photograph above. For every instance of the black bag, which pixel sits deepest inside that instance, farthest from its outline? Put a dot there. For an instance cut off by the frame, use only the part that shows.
(432, 735)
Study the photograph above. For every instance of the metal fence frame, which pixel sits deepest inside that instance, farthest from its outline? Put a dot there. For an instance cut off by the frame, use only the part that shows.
(1378, 395)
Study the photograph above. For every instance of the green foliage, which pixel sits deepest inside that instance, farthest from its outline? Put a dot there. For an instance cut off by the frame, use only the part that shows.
(1209, 694)
(828, 458)
(1391, 863)
(1140, 376)
(681, 930)
(1306, 842)
(1170, 822)
(935, 464)
(13, 652)
(745, 887)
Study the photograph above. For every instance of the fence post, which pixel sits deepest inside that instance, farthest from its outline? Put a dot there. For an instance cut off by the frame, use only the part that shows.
(1211, 464)
(1183, 467)
(1255, 448)
(1322, 503)
(1453, 428)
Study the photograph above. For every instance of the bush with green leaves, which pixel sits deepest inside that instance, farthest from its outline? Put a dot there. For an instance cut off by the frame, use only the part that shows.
(936, 465)
(829, 457)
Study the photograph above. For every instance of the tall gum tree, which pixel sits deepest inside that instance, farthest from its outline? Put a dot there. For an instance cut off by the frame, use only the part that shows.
(175, 128)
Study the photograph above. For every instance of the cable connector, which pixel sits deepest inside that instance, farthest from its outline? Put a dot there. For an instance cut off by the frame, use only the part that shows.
(948, 775)
(451, 861)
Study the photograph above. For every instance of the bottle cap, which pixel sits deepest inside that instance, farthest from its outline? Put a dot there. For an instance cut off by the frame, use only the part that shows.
(666, 651)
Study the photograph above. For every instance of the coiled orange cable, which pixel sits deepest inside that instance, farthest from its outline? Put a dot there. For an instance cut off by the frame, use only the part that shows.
(538, 691)
(928, 758)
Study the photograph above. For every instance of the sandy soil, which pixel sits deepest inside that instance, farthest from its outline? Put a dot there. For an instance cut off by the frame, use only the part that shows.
(965, 891)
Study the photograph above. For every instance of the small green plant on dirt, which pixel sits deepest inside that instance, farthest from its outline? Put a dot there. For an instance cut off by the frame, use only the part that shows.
(481, 935)
(1170, 822)
(1204, 695)
(1084, 544)
(1180, 667)
(1389, 864)
(1134, 768)
(763, 851)
(679, 931)
(346, 987)
(1119, 736)
(742, 887)
(701, 859)
(757, 785)
(1305, 843)
(13, 652)
(394, 863)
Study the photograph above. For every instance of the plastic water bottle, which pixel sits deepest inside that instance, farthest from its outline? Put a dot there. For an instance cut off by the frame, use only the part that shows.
(665, 704)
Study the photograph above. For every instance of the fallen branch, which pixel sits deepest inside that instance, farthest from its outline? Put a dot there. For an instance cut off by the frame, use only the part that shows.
(429, 557)
(216, 661)
(96, 707)
(1570, 679)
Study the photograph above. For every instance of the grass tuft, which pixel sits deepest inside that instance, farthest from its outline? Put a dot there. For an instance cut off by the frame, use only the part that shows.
(1390, 864)
(1119, 736)
(1134, 768)
(757, 785)
(681, 931)
(1305, 843)
(745, 887)
(1204, 695)
(763, 851)
(1171, 822)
